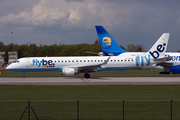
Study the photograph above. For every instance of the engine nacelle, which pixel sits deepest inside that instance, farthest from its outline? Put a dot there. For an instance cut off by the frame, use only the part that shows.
(175, 69)
(69, 71)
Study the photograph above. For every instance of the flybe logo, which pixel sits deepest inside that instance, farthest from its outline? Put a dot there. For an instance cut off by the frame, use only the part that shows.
(43, 63)
(141, 60)
(106, 42)
(160, 48)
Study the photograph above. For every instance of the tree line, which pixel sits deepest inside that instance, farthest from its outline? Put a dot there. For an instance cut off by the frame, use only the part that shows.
(32, 50)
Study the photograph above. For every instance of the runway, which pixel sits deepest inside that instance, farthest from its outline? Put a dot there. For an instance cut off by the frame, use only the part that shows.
(91, 81)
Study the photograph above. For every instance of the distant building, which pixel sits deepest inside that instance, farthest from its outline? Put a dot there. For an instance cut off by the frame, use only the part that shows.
(13, 56)
(1, 58)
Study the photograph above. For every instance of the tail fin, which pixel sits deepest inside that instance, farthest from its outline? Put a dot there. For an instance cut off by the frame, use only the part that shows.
(156, 54)
(108, 44)
(159, 48)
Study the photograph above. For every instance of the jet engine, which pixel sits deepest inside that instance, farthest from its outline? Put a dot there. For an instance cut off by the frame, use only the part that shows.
(69, 71)
(175, 69)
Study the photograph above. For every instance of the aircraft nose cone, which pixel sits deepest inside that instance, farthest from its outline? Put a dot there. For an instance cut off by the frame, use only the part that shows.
(8, 67)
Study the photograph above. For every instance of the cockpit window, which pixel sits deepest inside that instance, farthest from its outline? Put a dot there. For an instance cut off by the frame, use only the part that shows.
(17, 61)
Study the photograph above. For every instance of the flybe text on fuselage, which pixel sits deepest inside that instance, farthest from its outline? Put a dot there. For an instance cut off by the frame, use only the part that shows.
(140, 60)
(160, 48)
(43, 63)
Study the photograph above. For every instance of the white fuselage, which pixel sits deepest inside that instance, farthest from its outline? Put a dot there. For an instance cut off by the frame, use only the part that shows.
(81, 63)
(175, 57)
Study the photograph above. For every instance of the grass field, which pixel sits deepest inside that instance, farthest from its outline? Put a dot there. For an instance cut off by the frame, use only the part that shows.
(94, 92)
(128, 73)
(95, 102)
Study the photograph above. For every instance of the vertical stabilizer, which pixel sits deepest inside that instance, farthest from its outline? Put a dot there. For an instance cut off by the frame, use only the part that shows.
(108, 44)
(159, 48)
(156, 54)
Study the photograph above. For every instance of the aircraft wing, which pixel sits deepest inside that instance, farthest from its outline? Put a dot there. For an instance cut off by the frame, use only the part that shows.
(91, 67)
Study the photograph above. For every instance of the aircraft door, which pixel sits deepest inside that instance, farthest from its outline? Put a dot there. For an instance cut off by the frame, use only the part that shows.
(28, 62)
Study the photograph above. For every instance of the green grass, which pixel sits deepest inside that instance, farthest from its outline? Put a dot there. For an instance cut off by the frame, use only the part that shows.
(94, 92)
(96, 102)
(128, 73)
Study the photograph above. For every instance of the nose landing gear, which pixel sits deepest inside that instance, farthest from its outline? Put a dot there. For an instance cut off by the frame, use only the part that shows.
(23, 76)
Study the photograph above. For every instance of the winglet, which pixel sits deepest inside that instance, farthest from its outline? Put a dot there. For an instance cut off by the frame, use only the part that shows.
(108, 44)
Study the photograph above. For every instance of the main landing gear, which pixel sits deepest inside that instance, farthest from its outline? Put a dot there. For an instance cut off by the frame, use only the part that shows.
(164, 72)
(86, 75)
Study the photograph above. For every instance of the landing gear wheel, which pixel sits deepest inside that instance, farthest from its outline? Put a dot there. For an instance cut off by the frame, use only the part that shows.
(23, 76)
(86, 75)
(164, 72)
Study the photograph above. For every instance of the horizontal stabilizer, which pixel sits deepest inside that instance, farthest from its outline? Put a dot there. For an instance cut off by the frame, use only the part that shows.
(163, 59)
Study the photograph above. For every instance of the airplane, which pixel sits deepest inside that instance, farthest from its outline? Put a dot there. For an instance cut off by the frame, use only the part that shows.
(70, 66)
(113, 49)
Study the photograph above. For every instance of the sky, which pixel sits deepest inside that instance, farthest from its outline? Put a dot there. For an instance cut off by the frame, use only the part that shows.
(48, 22)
